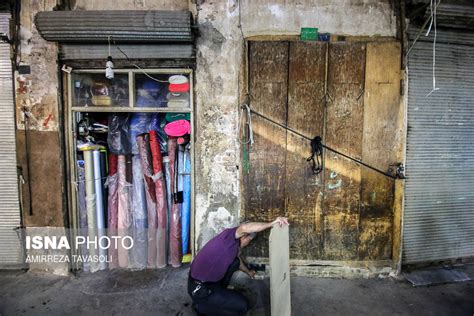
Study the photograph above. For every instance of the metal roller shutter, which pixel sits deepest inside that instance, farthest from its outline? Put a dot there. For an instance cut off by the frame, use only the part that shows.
(439, 194)
(123, 26)
(11, 251)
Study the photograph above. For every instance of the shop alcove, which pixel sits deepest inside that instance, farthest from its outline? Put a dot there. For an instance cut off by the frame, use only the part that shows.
(130, 163)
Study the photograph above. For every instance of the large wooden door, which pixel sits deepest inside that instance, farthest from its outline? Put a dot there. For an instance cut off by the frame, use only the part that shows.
(317, 88)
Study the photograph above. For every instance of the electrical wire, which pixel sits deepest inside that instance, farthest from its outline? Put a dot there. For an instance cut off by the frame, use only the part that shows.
(432, 24)
(433, 8)
(136, 66)
(428, 20)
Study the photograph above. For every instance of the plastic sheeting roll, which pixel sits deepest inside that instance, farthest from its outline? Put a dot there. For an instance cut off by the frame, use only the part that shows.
(123, 211)
(169, 194)
(82, 208)
(112, 205)
(147, 167)
(155, 125)
(99, 208)
(175, 214)
(139, 252)
(139, 124)
(161, 203)
(117, 138)
(186, 207)
(113, 161)
(91, 209)
(154, 122)
(103, 181)
(179, 188)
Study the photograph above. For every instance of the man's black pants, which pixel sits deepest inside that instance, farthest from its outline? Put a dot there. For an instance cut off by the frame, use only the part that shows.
(214, 298)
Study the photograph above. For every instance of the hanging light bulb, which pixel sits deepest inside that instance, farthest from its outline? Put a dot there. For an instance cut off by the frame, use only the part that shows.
(109, 68)
(109, 65)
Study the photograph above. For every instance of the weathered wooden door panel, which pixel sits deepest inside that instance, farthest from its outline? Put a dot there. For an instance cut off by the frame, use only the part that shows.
(348, 93)
(383, 115)
(306, 89)
(344, 116)
(265, 184)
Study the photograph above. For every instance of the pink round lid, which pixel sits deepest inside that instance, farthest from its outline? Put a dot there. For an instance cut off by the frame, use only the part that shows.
(178, 128)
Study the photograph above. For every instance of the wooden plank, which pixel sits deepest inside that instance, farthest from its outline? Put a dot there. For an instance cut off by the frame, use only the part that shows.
(381, 139)
(397, 225)
(303, 189)
(265, 184)
(280, 295)
(344, 117)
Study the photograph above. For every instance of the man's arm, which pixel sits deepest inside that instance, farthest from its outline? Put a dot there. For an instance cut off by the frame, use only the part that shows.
(256, 227)
(243, 268)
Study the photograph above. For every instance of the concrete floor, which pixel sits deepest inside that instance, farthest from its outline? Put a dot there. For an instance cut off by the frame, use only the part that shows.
(163, 292)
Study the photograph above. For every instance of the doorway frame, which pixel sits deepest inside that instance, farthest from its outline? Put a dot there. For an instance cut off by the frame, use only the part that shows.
(70, 137)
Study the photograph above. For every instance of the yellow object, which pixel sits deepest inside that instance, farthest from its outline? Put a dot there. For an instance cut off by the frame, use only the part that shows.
(187, 258)
(101, 100)
(86, 147)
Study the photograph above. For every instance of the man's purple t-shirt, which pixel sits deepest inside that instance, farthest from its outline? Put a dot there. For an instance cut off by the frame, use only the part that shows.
(215, 257)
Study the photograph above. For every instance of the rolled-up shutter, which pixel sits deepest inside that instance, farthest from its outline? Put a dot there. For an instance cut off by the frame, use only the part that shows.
(11, 250)
(121, 26)
(439, 194)
(132, 34)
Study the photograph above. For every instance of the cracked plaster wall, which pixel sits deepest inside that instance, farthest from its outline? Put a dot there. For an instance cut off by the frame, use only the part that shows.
(219, 60)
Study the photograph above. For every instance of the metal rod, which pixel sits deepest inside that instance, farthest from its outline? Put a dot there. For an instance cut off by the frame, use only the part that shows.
(324, 146)
(27, 156)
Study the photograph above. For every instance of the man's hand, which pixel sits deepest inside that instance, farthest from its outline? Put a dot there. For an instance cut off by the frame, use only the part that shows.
(251, 273)
(280, 221)
(256, 227)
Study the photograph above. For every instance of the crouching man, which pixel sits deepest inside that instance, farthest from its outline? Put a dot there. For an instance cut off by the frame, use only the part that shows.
(212, 269)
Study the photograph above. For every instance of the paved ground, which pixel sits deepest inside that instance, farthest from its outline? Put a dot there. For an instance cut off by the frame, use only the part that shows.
(163, 292)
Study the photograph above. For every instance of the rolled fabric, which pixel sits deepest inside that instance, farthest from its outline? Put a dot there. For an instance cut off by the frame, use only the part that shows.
(178, 87)
(117, 137)
(155, 125)
(143, 143)
(180, 184)
(139, 124)
(177, 79)
(112, 208)
(178, 128)
(178, 96)
(178, 104)
(103, 183)
(113, 160)
(171, 117)
(176, 255)
(139, 253)
(123, 221)
(186, 207)
(169, 195)
(82, 208)
(161, 203)
(99, 207)
(91, 201)
(183, 140)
